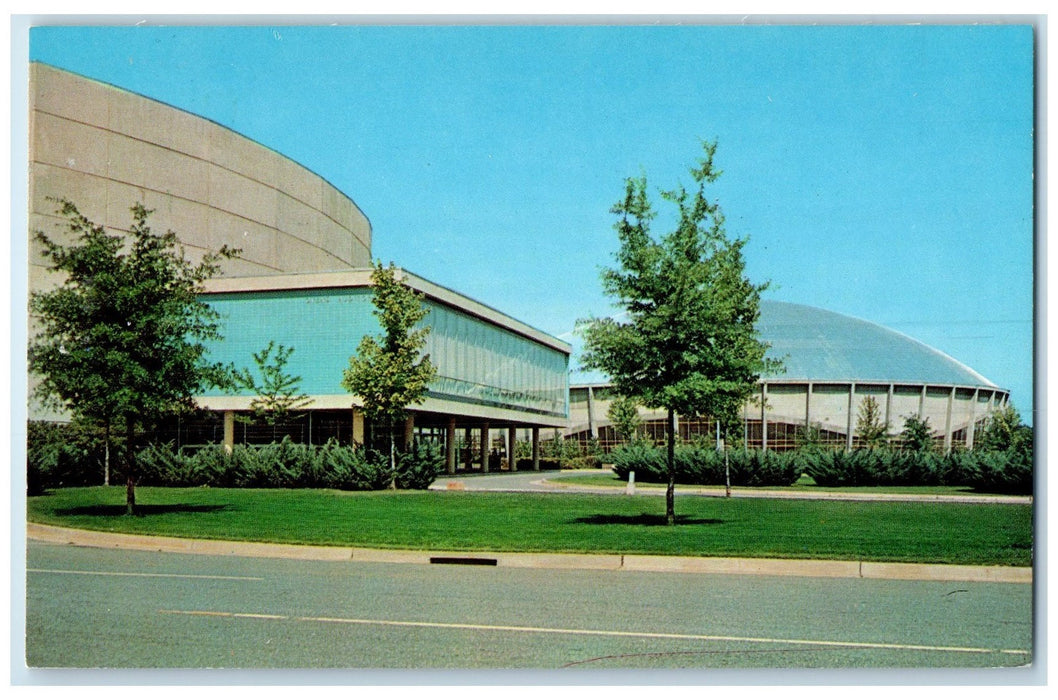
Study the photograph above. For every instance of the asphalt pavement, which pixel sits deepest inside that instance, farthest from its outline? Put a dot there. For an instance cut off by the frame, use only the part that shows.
(92, 608)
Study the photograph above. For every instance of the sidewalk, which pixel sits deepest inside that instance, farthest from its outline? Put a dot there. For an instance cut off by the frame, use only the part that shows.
(624, 562)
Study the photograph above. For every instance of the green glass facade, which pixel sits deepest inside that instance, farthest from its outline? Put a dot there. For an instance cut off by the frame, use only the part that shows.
(478, 362)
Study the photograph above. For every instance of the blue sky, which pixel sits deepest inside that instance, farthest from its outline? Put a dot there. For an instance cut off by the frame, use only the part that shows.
(883, 172)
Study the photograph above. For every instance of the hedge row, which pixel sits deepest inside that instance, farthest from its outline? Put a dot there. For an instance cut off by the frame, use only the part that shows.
(284, 464)
(1008, 471)
(991, 471)
(705, 466)
(288, 464)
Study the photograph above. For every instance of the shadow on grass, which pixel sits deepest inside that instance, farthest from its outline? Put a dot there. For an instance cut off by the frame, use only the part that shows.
(146, 509)
(642, 519)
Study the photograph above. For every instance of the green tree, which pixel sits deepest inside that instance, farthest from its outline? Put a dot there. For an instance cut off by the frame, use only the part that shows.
(277, 393)
(808, 437)
(391, 372)
(688, 344)
(871, 429)
(917, 435)
(121, 339)
(1004, 431)
(624, 416)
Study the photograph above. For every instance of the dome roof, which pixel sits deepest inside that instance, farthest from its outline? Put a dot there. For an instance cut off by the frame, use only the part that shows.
(820, 346)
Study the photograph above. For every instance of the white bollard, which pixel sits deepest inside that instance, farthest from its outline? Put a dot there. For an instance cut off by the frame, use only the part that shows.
(630, 489)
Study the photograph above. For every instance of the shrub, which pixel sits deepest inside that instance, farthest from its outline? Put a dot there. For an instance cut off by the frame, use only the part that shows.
(841, 468)
(213, 466)
(161, 465)
(59, 454)
(1008, 471)
(696, 464)
(343, 467)
(285, 464)
(584, 462)
(647, 461)
(419, 467)
(759, 468)
(244, 468)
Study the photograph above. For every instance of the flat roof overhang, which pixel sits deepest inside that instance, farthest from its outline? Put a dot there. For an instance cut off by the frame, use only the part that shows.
(362, 278)
(432, 407)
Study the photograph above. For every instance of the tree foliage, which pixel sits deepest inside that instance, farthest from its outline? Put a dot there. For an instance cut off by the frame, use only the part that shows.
(1004, 431)
(687, 341)
(390, 373)
(623, 414)
(917, 435)
(871, 429)
(121, 338)
(277, 393)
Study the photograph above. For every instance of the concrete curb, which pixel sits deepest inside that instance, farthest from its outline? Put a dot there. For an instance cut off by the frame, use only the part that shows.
(624, 562)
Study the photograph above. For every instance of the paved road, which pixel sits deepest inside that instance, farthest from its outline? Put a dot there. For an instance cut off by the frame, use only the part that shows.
(553, 481)
(97, 608)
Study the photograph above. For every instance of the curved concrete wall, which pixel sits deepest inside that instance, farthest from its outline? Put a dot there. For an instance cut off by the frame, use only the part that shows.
(954, 412)
(106, 149)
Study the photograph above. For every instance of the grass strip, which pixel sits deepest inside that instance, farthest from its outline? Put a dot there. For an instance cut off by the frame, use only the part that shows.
(803, 485)
(946, 533)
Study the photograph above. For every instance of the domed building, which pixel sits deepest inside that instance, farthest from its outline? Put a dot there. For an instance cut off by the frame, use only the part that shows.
(832, 364)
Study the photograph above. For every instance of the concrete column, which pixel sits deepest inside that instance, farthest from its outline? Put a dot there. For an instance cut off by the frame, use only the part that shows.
(409, 431)
(229, 431)
(850, 423)
(485, 447)
(358, 427)
(947, 421)
(536, 449)
(593, 425)
(808, 407)
(512, 440)
(972, 427)
(764, 416)
(745, 422)
(922, 403)
(450, 447)
(468, 438)
(889, 409)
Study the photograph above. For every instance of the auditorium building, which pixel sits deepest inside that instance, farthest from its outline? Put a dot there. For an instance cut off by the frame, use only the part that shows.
(302, 279)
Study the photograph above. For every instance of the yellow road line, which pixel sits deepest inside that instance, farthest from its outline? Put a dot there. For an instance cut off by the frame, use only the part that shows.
(606, 633)
(142, 575)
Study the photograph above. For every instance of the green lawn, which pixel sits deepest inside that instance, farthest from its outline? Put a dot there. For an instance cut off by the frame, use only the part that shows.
(569, 522)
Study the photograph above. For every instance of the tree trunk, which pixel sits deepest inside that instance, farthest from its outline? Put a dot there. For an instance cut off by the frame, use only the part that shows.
(392, 456)
(130, 467)
(670, 492)
(106, 453)
(727, 473)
